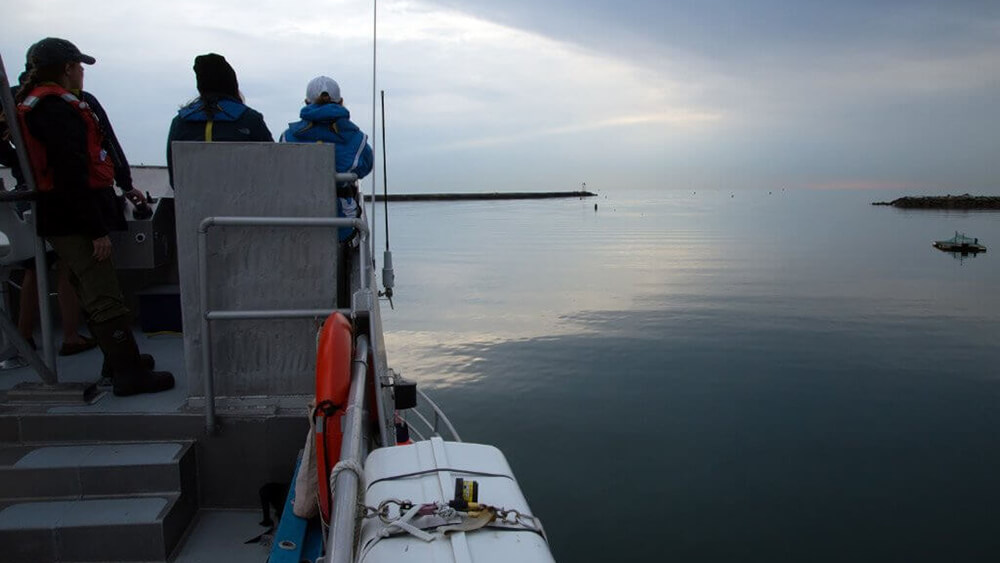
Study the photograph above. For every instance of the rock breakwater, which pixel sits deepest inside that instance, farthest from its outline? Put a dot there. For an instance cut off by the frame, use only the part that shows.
(964, 201)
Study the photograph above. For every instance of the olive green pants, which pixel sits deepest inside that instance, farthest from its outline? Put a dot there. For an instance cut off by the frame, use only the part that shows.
(96, 282)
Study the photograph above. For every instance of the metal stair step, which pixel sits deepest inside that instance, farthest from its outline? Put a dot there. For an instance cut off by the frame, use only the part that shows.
(64, 427)
(104, 529)
(92, 470)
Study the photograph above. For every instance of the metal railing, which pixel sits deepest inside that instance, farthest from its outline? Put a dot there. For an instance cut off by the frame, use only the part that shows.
(346, 482)
(208, 315)
(431, 427)
(48, 374)
(343, 514)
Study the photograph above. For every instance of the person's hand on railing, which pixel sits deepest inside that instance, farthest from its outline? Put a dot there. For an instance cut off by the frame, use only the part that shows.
(102, 248)
(19, 193)
(138, 201)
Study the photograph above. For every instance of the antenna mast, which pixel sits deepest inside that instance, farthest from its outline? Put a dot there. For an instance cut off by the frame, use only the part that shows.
(374, 66)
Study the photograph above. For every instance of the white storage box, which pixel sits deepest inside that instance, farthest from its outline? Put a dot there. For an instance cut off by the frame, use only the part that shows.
(425, 472)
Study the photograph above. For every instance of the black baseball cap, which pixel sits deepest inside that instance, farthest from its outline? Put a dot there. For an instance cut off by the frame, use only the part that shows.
(53, 51)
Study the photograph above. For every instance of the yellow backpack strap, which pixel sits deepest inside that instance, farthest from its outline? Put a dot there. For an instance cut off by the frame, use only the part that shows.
(208, 131)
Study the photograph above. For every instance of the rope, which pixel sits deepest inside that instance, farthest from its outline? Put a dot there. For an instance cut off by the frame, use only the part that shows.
(352, 466)
(403, 523)
(500, 519)
(471, 523)
(342, 465)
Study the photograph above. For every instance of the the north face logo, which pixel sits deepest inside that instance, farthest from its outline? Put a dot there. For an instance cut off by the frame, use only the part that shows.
(243, 130)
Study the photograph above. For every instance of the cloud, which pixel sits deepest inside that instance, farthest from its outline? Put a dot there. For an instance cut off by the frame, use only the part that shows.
(456, 73)
(680, 119)
(745, 92)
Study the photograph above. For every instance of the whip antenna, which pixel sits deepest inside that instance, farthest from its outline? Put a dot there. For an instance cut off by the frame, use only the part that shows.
(374, 67)
(388, 278)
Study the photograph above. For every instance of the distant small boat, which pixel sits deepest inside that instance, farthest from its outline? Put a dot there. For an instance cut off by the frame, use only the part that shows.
(960, 243)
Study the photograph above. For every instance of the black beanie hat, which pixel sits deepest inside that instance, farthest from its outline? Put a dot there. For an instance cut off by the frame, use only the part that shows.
(215, 76)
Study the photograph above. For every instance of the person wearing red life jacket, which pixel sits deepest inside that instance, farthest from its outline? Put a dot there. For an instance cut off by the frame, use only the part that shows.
(69, 307)
(77, 205)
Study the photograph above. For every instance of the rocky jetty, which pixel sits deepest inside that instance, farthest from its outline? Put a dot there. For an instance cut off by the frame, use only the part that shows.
(964, 201)
(479, 196)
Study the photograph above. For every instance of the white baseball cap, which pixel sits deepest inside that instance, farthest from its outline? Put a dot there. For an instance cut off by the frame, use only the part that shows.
(322, 84)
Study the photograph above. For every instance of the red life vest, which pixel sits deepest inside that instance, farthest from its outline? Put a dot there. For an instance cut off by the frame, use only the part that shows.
(100, 169)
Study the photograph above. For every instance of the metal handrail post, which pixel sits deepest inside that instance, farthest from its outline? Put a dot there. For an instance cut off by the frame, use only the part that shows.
(207, 315)
(41, 267)
(366, 273)
(24, 349)
(366, 266)
(42, 280)
(340, 541)
(206, 331)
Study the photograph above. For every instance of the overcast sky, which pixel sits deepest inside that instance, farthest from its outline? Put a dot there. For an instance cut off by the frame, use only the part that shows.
(519, 94)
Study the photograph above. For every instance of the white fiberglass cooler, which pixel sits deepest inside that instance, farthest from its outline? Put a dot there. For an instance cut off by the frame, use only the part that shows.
(413, 487)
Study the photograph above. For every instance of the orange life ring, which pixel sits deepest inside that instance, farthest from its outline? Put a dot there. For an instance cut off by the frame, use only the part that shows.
(333, 382)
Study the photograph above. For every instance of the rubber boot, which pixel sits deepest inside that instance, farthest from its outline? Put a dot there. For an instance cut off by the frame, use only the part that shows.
(129, 375)
(148, 362)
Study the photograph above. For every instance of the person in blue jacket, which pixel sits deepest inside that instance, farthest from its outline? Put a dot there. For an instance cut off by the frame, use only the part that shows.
(218, 113)
(326, 120)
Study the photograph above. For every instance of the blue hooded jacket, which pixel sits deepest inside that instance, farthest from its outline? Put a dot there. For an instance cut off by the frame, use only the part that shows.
(331, 123)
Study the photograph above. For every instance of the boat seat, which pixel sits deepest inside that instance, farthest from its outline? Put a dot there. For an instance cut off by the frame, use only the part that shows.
(19, 232)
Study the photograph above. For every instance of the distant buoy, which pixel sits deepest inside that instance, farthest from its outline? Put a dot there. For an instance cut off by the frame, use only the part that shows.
(595, 207)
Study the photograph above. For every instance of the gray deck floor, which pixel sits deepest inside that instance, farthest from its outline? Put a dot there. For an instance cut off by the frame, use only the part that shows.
(168, 349)
(218, 536)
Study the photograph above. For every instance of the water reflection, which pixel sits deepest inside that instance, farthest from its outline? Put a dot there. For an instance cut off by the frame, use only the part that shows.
(738, 430)
(962, 256)
(471, 275)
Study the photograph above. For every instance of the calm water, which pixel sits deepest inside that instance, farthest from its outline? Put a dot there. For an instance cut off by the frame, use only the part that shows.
(693, 376)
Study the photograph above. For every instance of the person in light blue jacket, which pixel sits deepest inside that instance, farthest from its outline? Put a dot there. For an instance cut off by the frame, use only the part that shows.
(326, 120)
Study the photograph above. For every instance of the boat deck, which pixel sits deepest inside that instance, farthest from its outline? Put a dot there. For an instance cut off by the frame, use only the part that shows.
(168, 349)
(228, 512)
(221, 535)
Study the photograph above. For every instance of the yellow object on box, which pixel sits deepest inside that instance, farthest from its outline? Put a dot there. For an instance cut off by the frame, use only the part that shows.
(470, 491)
